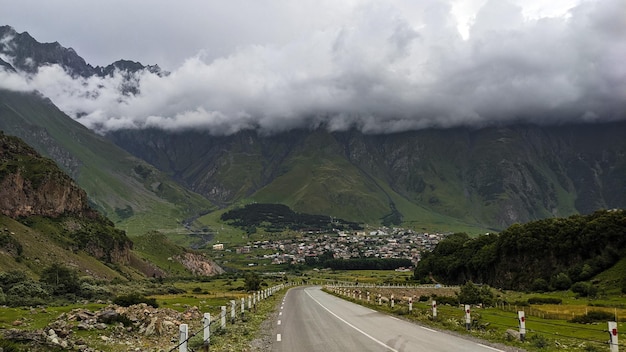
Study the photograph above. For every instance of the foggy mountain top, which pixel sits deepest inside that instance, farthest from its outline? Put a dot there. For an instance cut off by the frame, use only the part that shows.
(378, 67)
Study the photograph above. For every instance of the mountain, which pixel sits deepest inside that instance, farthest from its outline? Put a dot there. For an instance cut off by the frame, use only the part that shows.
(436, 179)
(492, 176)
(27, 54)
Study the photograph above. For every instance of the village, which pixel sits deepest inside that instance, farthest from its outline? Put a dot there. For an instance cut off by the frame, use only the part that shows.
(380, 243)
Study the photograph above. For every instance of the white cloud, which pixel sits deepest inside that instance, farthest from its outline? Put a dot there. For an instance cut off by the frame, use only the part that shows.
(386, 67)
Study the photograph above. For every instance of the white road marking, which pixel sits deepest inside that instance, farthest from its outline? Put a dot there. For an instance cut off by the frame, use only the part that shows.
(279, 338)
(279, 322)
(489, 347)
(352, 326)
(281, 313)
(427, 329)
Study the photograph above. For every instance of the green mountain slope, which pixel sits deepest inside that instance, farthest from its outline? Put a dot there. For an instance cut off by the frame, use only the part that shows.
(485, 178)
(133, 194)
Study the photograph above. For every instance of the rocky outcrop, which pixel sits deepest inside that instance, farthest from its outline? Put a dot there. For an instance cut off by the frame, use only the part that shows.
(33, 185)
(198, 264)
(117, 327)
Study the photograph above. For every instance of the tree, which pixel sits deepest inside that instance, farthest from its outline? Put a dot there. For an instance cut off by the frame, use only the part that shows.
(540, 285)
(61, 279)
(474, 294)
(562, 282)
(469, 294)
(252, 281)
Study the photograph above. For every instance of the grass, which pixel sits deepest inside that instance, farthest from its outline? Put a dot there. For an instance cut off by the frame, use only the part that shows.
(38, 318)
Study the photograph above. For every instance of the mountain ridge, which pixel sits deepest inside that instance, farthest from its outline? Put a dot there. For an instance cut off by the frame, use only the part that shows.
(488, 177)
(518, 173)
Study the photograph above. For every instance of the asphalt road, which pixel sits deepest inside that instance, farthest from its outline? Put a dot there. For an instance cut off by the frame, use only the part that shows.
(312, 320)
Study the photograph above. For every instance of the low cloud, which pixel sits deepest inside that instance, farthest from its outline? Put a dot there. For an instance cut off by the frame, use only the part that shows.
(378, 72)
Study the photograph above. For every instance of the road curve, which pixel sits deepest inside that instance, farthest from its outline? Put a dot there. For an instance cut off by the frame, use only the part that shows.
(312, 320)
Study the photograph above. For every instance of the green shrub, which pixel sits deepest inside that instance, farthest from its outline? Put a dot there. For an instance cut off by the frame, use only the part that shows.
(561, 282)
(544, 300)
(538, 341)
(134, 298)
(540, 285)
(584, 289)
(592, 317)
(452, 301)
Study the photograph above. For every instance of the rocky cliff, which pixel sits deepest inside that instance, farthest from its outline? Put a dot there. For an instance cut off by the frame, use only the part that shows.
(35, 191)
(33, 185)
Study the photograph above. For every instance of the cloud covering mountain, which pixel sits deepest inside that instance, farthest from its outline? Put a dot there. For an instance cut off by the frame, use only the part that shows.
(374, 68)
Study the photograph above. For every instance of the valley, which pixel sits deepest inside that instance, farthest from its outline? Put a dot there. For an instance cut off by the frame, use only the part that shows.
(134, 199)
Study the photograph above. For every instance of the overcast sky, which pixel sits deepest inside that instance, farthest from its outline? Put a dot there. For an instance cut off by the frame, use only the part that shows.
(380, 66)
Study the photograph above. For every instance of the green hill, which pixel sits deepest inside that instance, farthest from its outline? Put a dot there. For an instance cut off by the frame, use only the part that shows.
(534, 256)
(132, 193)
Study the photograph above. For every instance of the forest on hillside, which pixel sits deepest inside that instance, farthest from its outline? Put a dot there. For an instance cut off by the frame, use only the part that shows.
(541, 255)
(279, 217)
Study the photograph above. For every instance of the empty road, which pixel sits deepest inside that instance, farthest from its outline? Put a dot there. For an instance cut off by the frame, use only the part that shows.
(312, 320)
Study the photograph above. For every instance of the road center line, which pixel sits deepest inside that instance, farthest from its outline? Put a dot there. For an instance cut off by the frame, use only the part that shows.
(489, 347)
(350, 325)
(279, 322)
(278, 338)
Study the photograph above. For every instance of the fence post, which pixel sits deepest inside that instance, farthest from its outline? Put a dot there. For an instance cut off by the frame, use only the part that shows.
(392, 301)
(243, 307)
(613, 336)
(468, 317)
(410, 305)
(249, 302)
(232, 311)
(380, 299)
(522, 325)
(223, 317)
(183, 338)
(434, 305)
(206, 322)
(368, 296)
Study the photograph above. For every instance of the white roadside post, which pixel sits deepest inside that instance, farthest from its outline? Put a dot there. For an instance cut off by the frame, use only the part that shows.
(223, 317)
(522, 325)
(249, 302)
(468, 317)
(360, 296)
(392, 302)
(380, 299)
(233, 308)
(434, 305)
(206, 323)
(410, 304)
(613, 342)
(368, 296)
(183, 338)
(243, 307)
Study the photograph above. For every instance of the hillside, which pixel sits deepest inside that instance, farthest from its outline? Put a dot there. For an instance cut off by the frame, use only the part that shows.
(56, 222)
(549, 253)
(45, 219)
(136, 196)
(493, 177)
